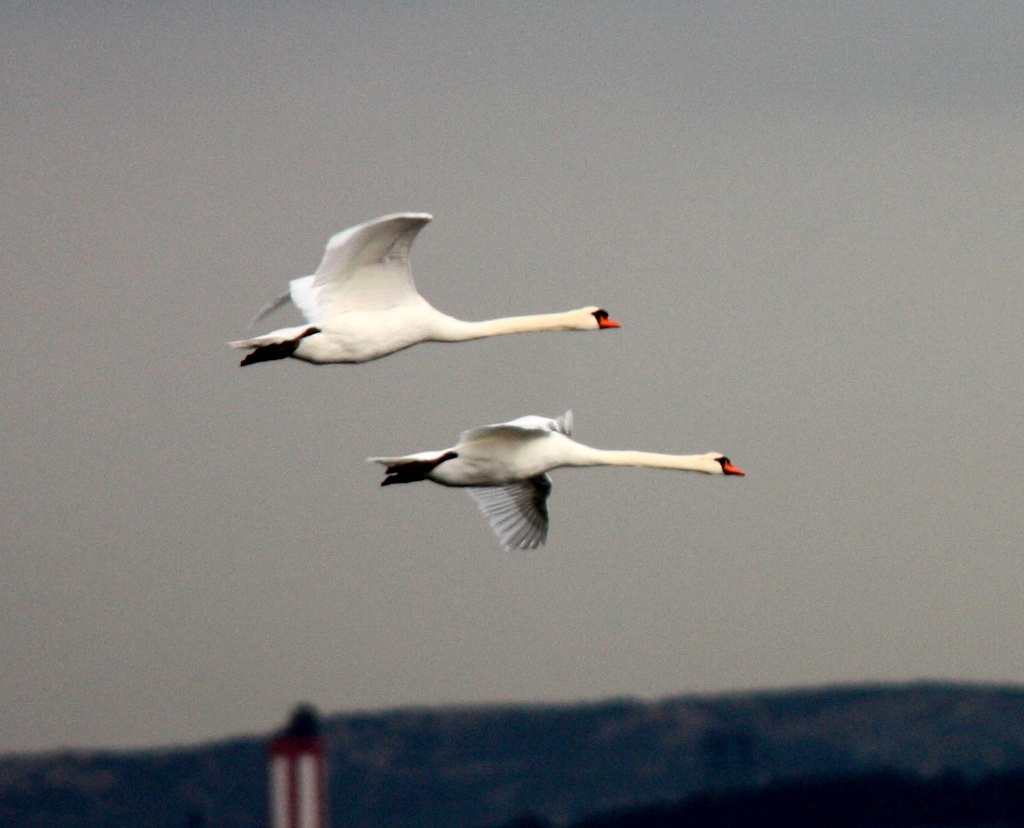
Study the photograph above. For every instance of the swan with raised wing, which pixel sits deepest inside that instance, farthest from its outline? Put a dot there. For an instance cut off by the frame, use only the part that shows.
(362, 303)
(504, 467)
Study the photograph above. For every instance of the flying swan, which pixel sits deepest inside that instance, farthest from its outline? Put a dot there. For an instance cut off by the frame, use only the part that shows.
(362, 304)
(504, 467)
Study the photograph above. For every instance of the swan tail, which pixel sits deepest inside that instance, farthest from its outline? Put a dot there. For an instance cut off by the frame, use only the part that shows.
(273, 346)
(410, 469)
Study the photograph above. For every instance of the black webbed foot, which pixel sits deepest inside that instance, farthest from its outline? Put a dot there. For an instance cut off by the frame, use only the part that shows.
(413, 470)
(277, 350)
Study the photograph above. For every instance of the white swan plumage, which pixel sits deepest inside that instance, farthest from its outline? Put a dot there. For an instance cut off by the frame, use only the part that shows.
(504, 467)
(362, 304)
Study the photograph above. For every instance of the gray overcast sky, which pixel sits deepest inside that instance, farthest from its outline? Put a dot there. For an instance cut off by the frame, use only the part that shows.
(809, 219)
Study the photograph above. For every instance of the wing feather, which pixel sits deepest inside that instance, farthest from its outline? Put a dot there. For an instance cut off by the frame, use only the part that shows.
(521, 428)
(364, 268)
(517, 512)
(367, 267)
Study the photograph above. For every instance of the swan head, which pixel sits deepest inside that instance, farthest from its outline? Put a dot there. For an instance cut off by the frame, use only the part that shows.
(718, 463)
(595, 318)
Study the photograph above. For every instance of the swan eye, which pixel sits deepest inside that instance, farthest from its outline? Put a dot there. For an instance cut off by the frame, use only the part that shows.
(601, 314)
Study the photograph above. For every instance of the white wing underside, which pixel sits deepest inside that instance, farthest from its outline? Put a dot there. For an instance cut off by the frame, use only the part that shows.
(518, 512)
(365, 268)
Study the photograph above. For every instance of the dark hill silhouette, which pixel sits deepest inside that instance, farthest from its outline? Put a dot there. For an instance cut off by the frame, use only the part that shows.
(862, 800)
(487, 765)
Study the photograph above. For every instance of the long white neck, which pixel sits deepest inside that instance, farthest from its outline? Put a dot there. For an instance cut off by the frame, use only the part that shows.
(582, 455)
(458, 330)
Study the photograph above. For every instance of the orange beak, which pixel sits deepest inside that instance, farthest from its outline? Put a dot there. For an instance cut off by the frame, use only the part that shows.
(729, 468)
(608, 323)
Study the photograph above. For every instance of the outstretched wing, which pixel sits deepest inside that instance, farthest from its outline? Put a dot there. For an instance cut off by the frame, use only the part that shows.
(364, 268)
(518, 512)
(272, 306)
(521, 428)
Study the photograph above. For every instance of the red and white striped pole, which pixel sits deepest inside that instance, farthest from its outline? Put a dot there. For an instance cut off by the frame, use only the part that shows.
(295, 760)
